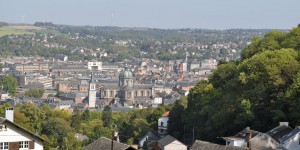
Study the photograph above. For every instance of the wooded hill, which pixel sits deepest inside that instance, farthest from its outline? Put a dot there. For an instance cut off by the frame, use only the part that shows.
(259, 91)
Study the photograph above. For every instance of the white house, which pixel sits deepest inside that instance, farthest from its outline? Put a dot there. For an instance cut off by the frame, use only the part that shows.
(157, 100)
(163, 124)
(15, 137)
(291, 141)
(170, 143)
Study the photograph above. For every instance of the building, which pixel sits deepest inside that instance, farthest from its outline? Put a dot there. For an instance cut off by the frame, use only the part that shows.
(125, 90)
(291, 141)
(92, 93)
(94, 65)
(202, 145)
(105, 144)
(170, 143)
(163, 124)
(15, 137)
(31, 67)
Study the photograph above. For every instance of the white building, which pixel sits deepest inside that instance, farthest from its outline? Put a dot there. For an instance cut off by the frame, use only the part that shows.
(94, 65)
(291, 141)
(157, 100)
(15, 137)
(163, 124)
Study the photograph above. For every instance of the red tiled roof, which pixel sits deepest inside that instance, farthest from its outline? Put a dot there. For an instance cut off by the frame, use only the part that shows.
(166, 114)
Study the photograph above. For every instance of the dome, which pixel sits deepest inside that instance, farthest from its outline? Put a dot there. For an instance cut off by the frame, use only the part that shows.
(126, 73)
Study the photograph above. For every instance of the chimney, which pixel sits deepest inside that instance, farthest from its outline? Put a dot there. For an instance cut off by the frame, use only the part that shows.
(9, 114)
(116, 136)
(283, 123)
(248, 138)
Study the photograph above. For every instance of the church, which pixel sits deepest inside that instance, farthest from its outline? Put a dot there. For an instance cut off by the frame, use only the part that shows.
(125, 91)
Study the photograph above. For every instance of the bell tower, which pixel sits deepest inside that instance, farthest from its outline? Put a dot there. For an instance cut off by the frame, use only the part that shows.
(92, 92)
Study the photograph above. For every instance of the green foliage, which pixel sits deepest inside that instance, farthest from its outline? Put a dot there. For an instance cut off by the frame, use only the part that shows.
(260, 91)
(106, 116)
(9, 84)
(36, 93)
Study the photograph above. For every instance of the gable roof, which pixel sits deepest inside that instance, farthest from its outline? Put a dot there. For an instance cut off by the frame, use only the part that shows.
(202, 145)
(3, 120)
(105, 144)
(279, 131)
(289, 135)
(167, 140)
(166, 114)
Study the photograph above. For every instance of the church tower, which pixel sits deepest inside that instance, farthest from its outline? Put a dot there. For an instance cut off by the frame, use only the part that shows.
(92, 93)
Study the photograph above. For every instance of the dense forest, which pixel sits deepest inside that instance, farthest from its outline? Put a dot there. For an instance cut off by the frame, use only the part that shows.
(258, 91)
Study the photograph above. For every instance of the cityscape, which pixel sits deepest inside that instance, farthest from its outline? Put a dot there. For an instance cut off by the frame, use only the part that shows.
(65, 85)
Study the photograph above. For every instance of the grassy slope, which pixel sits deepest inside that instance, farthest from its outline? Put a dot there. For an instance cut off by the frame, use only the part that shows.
(8, 30)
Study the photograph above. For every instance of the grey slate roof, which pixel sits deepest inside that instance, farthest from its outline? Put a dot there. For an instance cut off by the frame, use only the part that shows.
(279, 131)
(202, 145)
(289, 135)
(167, 140)
(105, 144)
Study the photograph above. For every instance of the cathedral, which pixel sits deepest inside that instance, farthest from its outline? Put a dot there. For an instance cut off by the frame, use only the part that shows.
(126, 91)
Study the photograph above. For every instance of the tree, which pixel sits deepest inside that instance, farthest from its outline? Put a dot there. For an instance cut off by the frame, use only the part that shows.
(75, 119)
(36, 93)
(10, 84)
(175, 123)
(106, 116)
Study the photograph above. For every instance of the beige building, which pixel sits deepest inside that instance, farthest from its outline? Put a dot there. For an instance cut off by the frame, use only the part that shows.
(31, 67)
(126, 92)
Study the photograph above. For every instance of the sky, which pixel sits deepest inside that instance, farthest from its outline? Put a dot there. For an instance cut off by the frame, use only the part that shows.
(167, 14)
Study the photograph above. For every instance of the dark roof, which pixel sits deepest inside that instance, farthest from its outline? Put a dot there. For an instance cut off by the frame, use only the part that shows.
(279, 132)
(167, 140)
(242, 134)
(289, 135)
(105, 144)
(202, 145)
(3, 120)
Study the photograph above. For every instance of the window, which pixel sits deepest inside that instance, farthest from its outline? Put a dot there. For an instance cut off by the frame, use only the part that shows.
(142, 93)
(111, 93)
(148, 93)
(24, 144)
(162, 124)
(136, 94)
(4, 146)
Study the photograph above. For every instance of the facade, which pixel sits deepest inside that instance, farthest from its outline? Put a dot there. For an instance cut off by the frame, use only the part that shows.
(126, 91)
(31, 67)
(163, 124)
(170, 143)
(15, 137)
(94, 65)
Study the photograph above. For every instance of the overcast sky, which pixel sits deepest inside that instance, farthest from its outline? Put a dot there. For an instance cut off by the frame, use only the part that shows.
(208, 14)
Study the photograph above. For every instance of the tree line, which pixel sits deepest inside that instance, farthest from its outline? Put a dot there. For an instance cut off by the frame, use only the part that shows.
(259, 91)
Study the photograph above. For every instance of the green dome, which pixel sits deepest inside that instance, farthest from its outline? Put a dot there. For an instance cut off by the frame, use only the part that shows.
(126, 73)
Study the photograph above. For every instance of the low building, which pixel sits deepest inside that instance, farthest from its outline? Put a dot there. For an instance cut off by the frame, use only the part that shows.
(202, 145)
(106, 144)
(170, 143)
(15, 137)
(291, 141)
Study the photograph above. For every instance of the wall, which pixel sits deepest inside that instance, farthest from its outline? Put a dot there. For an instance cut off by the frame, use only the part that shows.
(293, 143)
(175, 146)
